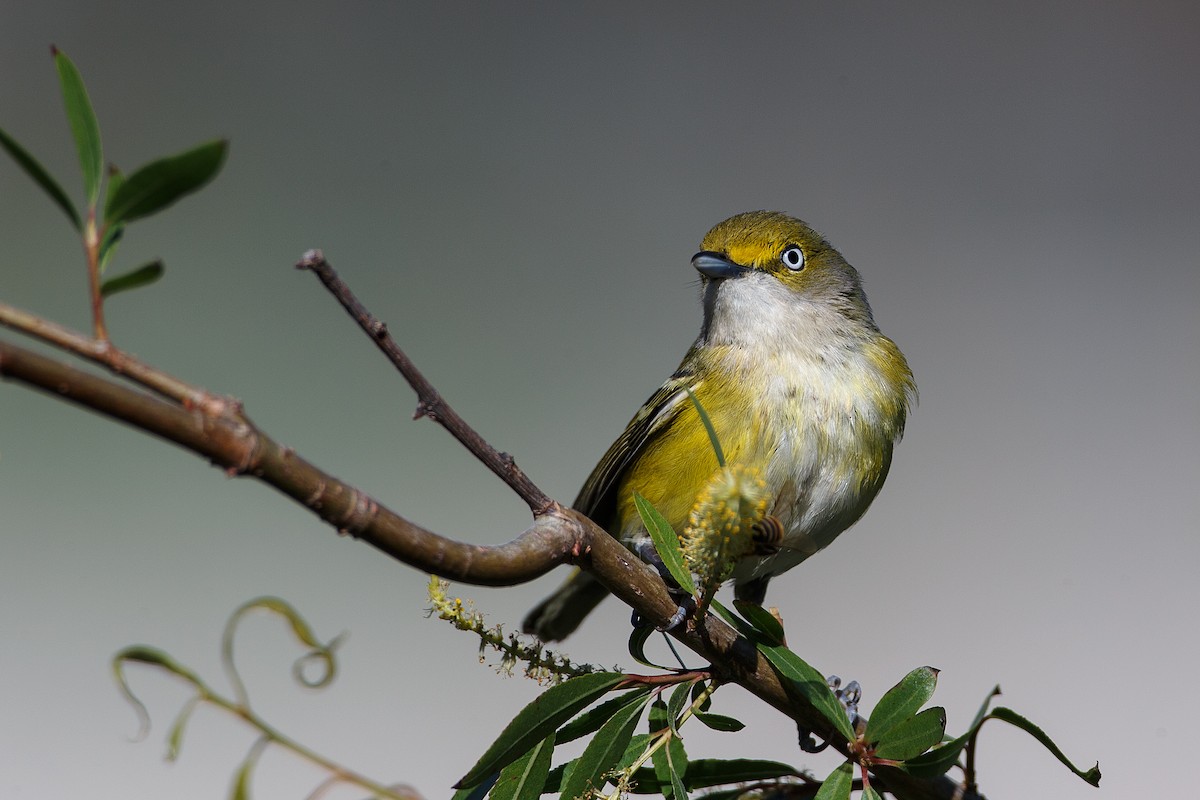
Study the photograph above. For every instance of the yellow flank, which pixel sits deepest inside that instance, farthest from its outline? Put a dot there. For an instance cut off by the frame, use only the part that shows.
(675, 466)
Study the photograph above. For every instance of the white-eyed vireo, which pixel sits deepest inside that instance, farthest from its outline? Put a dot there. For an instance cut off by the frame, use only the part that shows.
(800, 386)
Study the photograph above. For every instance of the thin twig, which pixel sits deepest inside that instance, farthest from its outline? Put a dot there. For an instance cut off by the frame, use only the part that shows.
(234, 444)
(429, 402)
(103, 352)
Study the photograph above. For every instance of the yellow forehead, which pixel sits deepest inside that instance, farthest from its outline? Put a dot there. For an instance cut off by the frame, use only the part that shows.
(756, 237)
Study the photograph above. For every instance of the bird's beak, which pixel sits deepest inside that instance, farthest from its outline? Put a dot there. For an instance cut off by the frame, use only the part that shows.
(715, 265)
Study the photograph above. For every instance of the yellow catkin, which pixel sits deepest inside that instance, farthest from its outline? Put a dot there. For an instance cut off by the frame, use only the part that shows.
(719, 530)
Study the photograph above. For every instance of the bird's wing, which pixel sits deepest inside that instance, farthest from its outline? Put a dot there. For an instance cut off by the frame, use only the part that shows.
(597, 498)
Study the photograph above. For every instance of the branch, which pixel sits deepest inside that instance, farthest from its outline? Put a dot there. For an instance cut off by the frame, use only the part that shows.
(102, 351)
(231, 441)
(429, 401)
(235, 444)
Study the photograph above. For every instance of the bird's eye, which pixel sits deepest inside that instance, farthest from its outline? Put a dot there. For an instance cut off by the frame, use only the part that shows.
(792, 257)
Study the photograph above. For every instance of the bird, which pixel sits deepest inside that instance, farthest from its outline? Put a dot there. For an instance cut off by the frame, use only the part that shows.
(800, 385)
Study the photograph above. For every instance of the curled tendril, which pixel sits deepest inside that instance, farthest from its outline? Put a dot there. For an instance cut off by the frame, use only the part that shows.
(142, 654)
(325, 657)
(320, 652)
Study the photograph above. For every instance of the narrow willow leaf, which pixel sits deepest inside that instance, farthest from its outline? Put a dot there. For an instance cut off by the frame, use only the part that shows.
(474, 792)
(720, 722)
(708, 426)
(160, 183)
(658, 779)
(1092, 775)
(524, 778)
(556, 777)
(590, 721)
(901, 702)
(677, 765)
(698, 688)
(708, 772)
(241, 781)
(738, 624)
(762, 620)
(666, 542)
(637, 646)
(538, 720)
(606, 747)
(914, 736)
(837, 785)
(675, 706)
(83, 123)
(108, 245)
(633, 751)
(142, 276)
(810, 684)
(175, 735)
(41, 177)
(141, 654)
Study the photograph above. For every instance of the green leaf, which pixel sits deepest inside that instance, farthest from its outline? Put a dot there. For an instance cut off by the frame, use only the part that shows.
(524, 778)
(83, 124)
(720, 722)
(675, 706)
(241, 781)
(837, 785)
(42, 178)
(666, 542)
(708, 772)
(901, 702)
(914, 736)
(810, 684)
(141, 654)
(475, 792)
(677, 765)
(940, 759)
(1092, 775)
(664, 778)
(708, 426)
(638, 637)
(591, 721)
(603, 751)
(538, 720)
(738, 624)
(108, 245)
(763, 621)
(633, 751)
(112, 233)
(698, 689)
(869, 793)
(142, 276)
(175, 735)
(637, 745)
(556, 777)
(705, 772)
(160, 183)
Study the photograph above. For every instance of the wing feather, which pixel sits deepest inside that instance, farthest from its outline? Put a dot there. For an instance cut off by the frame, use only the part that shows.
(597, 498)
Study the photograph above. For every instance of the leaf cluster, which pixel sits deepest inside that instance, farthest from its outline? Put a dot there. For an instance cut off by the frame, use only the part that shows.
(127, 198)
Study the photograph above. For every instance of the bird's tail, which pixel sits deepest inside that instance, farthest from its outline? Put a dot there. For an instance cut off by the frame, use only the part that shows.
(556, 617)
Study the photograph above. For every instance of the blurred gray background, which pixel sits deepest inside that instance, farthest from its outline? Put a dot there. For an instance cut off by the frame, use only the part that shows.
(517, 189)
